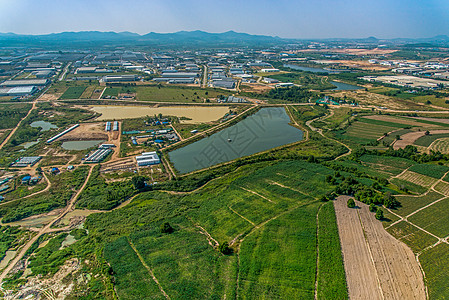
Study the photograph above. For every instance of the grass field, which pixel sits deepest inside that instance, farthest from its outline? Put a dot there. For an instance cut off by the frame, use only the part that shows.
(443, 188)
(412, 187)
(11, 114)
(434, 218)
(415, 238)
(73, 92)
(368, 130)
(176, 94)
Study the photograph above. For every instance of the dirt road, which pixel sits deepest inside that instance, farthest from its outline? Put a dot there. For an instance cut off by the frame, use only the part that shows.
(377, 265)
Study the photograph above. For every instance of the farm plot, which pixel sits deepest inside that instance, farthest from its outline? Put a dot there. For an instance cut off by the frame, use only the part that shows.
(441, 145)
(394, 164)
(435, 171)
(434, 218)
(397, 120)
(411, 203)
(367, 131)
(415, 238)
(443, 188)
(377, 265)
(278, 261)
(417, 178)
(427, 140)
(435, 263)
(73, 92)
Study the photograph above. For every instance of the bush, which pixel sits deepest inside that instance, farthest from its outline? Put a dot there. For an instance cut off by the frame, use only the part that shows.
(166, 228)
(379, 214)
(224, 248)
(372, 207)
(351, 203)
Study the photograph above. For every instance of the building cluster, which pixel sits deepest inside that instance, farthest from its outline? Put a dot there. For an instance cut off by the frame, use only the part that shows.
(26, 161)
(408, 81)
(100, 154)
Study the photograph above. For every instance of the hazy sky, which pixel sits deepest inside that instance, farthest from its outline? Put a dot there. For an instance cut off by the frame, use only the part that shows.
(284, 18)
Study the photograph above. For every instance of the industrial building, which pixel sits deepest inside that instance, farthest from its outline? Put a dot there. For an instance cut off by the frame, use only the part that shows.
(108, 126)
(120, 78)
(43, 73)
(18, 91)
(115, 126)
(147, 159)
(62, 133)
(269, 70)
(25, 82)
(226, 83)
(98, 155)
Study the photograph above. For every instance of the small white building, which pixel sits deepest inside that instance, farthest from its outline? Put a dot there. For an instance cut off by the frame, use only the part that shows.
(269, 70)
(147, 159)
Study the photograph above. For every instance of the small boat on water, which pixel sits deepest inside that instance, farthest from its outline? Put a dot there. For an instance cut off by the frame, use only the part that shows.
(229, 140)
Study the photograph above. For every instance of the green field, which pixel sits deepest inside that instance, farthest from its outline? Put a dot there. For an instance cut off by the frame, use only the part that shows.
(434, 218)
(275, 228)
(434, 171)
(427, 140)
(73, 92)
(11, 114)
(411, 203)
(415, 238)
(435, 263)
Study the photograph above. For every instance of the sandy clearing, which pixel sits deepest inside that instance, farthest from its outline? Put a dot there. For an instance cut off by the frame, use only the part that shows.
(411, 137)
(377, 265)
(86, 131)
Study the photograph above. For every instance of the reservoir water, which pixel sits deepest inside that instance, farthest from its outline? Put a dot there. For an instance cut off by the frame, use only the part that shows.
(266, 129)
(197, 114)
(44, 125)
(80, 145)
(308, 69)
(341, 86)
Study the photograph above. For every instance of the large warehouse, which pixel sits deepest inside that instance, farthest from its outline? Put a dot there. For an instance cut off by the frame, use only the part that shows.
(17, 91)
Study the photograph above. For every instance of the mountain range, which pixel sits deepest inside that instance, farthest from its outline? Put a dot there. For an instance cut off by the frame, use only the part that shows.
(186, 38)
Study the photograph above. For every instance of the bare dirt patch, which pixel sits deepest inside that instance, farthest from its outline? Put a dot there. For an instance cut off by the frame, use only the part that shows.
(50, 97)
(367, 98)
(86, 131)
(377, 265)
(411, 137)
(255, 88)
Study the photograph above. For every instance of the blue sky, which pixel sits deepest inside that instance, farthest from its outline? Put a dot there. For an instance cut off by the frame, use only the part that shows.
(284, 18)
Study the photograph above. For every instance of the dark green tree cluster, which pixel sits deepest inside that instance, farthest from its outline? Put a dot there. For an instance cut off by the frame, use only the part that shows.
(294, 94)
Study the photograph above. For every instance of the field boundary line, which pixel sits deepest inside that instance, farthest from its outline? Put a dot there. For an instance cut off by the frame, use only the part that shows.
(252, 223)
(257, 194)
(424, 207)
(142, 261)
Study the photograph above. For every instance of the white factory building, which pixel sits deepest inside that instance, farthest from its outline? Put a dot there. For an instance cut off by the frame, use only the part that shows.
(147, 159)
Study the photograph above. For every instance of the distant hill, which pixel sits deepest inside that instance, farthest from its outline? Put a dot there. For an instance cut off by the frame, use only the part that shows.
(181, 38)
(196, 38)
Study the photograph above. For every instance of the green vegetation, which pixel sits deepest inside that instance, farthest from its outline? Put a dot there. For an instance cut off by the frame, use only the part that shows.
(104, 196)
(166, 93)
(305, 79)
(11, 114)
(73, 92)
(48, 259)
(434, 218)
(435, 263)
(434, 171)
(411, 203)
(427, 140)
(292, 94)
(331, 273)
(415, 238)
(9, 238)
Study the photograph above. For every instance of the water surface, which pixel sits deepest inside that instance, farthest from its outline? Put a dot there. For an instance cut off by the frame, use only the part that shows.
(309, 69)
(44, 125)
(266, 129)
(341, 86)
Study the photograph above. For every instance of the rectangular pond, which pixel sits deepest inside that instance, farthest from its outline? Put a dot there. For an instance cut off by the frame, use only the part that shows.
(266, 129)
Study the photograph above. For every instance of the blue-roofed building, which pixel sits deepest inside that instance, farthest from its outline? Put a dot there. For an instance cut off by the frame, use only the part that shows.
(26, 179)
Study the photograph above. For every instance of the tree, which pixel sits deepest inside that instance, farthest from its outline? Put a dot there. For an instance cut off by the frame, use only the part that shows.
(138, 182)
(427, 132)
(379, 214)
(372, 207)
(166, 228)
(224, 248)
(351, 203)
(390, 201)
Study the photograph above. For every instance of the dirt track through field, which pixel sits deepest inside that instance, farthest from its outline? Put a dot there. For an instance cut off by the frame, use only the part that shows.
(377, 265)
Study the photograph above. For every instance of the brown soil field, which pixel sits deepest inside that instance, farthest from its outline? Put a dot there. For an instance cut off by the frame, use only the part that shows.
(351, 51)
(50, 97)
(411, 137)
(86, 131)
(377, 265)
(255, 87)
